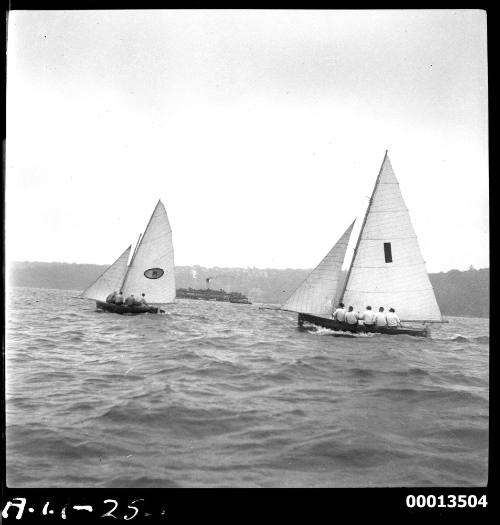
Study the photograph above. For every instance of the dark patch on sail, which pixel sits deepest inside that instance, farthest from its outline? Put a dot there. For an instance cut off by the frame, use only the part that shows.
(387, 252)
(153, 273)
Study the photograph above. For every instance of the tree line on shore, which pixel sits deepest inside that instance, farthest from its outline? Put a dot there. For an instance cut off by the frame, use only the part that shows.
(459, 293)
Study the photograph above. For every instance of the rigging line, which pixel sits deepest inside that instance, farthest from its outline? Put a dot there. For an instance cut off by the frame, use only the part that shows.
(423, 321)
(385, 267)
(399, 210)
(390, 239)
(391, 291)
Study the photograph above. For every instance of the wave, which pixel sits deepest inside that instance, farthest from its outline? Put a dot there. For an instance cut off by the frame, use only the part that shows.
(422, 394)
(141, 482)
(363, 373)
(180, 420)
(475, 438)
(344, 455)
(482, 339)
(414, 372)
(62, 443)
(319, 330)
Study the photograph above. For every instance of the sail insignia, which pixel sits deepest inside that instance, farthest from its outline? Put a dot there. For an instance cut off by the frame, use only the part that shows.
(153, 273)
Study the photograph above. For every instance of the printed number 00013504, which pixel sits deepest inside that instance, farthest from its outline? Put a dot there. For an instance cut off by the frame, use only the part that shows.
(448, 501)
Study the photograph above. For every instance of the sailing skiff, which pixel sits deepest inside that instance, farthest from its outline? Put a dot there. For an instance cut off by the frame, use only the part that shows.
(151, 270)
(387, 269)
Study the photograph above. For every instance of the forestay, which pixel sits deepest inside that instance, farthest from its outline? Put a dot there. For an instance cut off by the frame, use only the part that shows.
(151, 270)
(110, 280)
(387, 268)
(316, 295)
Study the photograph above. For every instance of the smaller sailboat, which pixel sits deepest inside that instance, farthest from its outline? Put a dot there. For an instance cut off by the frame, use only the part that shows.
(387, 270)
(151, 270)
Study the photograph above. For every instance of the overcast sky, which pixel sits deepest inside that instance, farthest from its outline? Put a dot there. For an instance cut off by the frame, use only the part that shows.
(261, 131)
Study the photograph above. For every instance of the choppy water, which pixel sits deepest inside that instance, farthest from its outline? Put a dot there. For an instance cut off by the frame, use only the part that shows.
(216, 394)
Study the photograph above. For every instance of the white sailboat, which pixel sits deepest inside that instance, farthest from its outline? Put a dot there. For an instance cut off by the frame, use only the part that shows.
(387, 268)
(151, 269)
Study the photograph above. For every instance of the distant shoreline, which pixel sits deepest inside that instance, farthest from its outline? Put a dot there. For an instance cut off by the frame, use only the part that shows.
(458, 293)
(261, 306)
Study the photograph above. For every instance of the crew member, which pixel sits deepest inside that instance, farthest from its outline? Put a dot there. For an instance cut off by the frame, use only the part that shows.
(339, 313)
(351, 316)
(142, 299)
(368, 316)
(130, 300)
(119, 298)
(380, 318)
(392, 318)
(111, 297)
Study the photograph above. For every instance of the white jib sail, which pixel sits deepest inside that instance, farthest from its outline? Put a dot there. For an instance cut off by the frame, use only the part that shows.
(110, 280)
(316, 295)
(388, 269)
(151, 270)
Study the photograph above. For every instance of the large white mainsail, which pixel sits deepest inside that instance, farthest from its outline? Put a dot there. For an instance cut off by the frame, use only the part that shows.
(318, 293)
(387, 267)
(108, 281)
(151, 270)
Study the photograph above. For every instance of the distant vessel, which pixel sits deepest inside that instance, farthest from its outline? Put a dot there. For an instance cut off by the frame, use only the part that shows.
(151, 270)
(212, 295)
(387, 269)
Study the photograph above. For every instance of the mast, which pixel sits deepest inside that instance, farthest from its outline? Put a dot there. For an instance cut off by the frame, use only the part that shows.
(136, 246)
(131, 261)
(341, 298)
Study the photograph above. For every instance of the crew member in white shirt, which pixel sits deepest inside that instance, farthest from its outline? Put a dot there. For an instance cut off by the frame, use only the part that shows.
(380, 318)
(368, 316)
(339, 313)
(111, 297)
(351, 317)
(392, 318)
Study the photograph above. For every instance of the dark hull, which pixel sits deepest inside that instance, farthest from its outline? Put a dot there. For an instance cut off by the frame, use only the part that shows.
(333, 324)
(212, 295)
(122, 309)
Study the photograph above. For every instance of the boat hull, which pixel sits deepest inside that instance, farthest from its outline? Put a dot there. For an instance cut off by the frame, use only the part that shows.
(333, 324)
(122, 309)
(212, 295)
